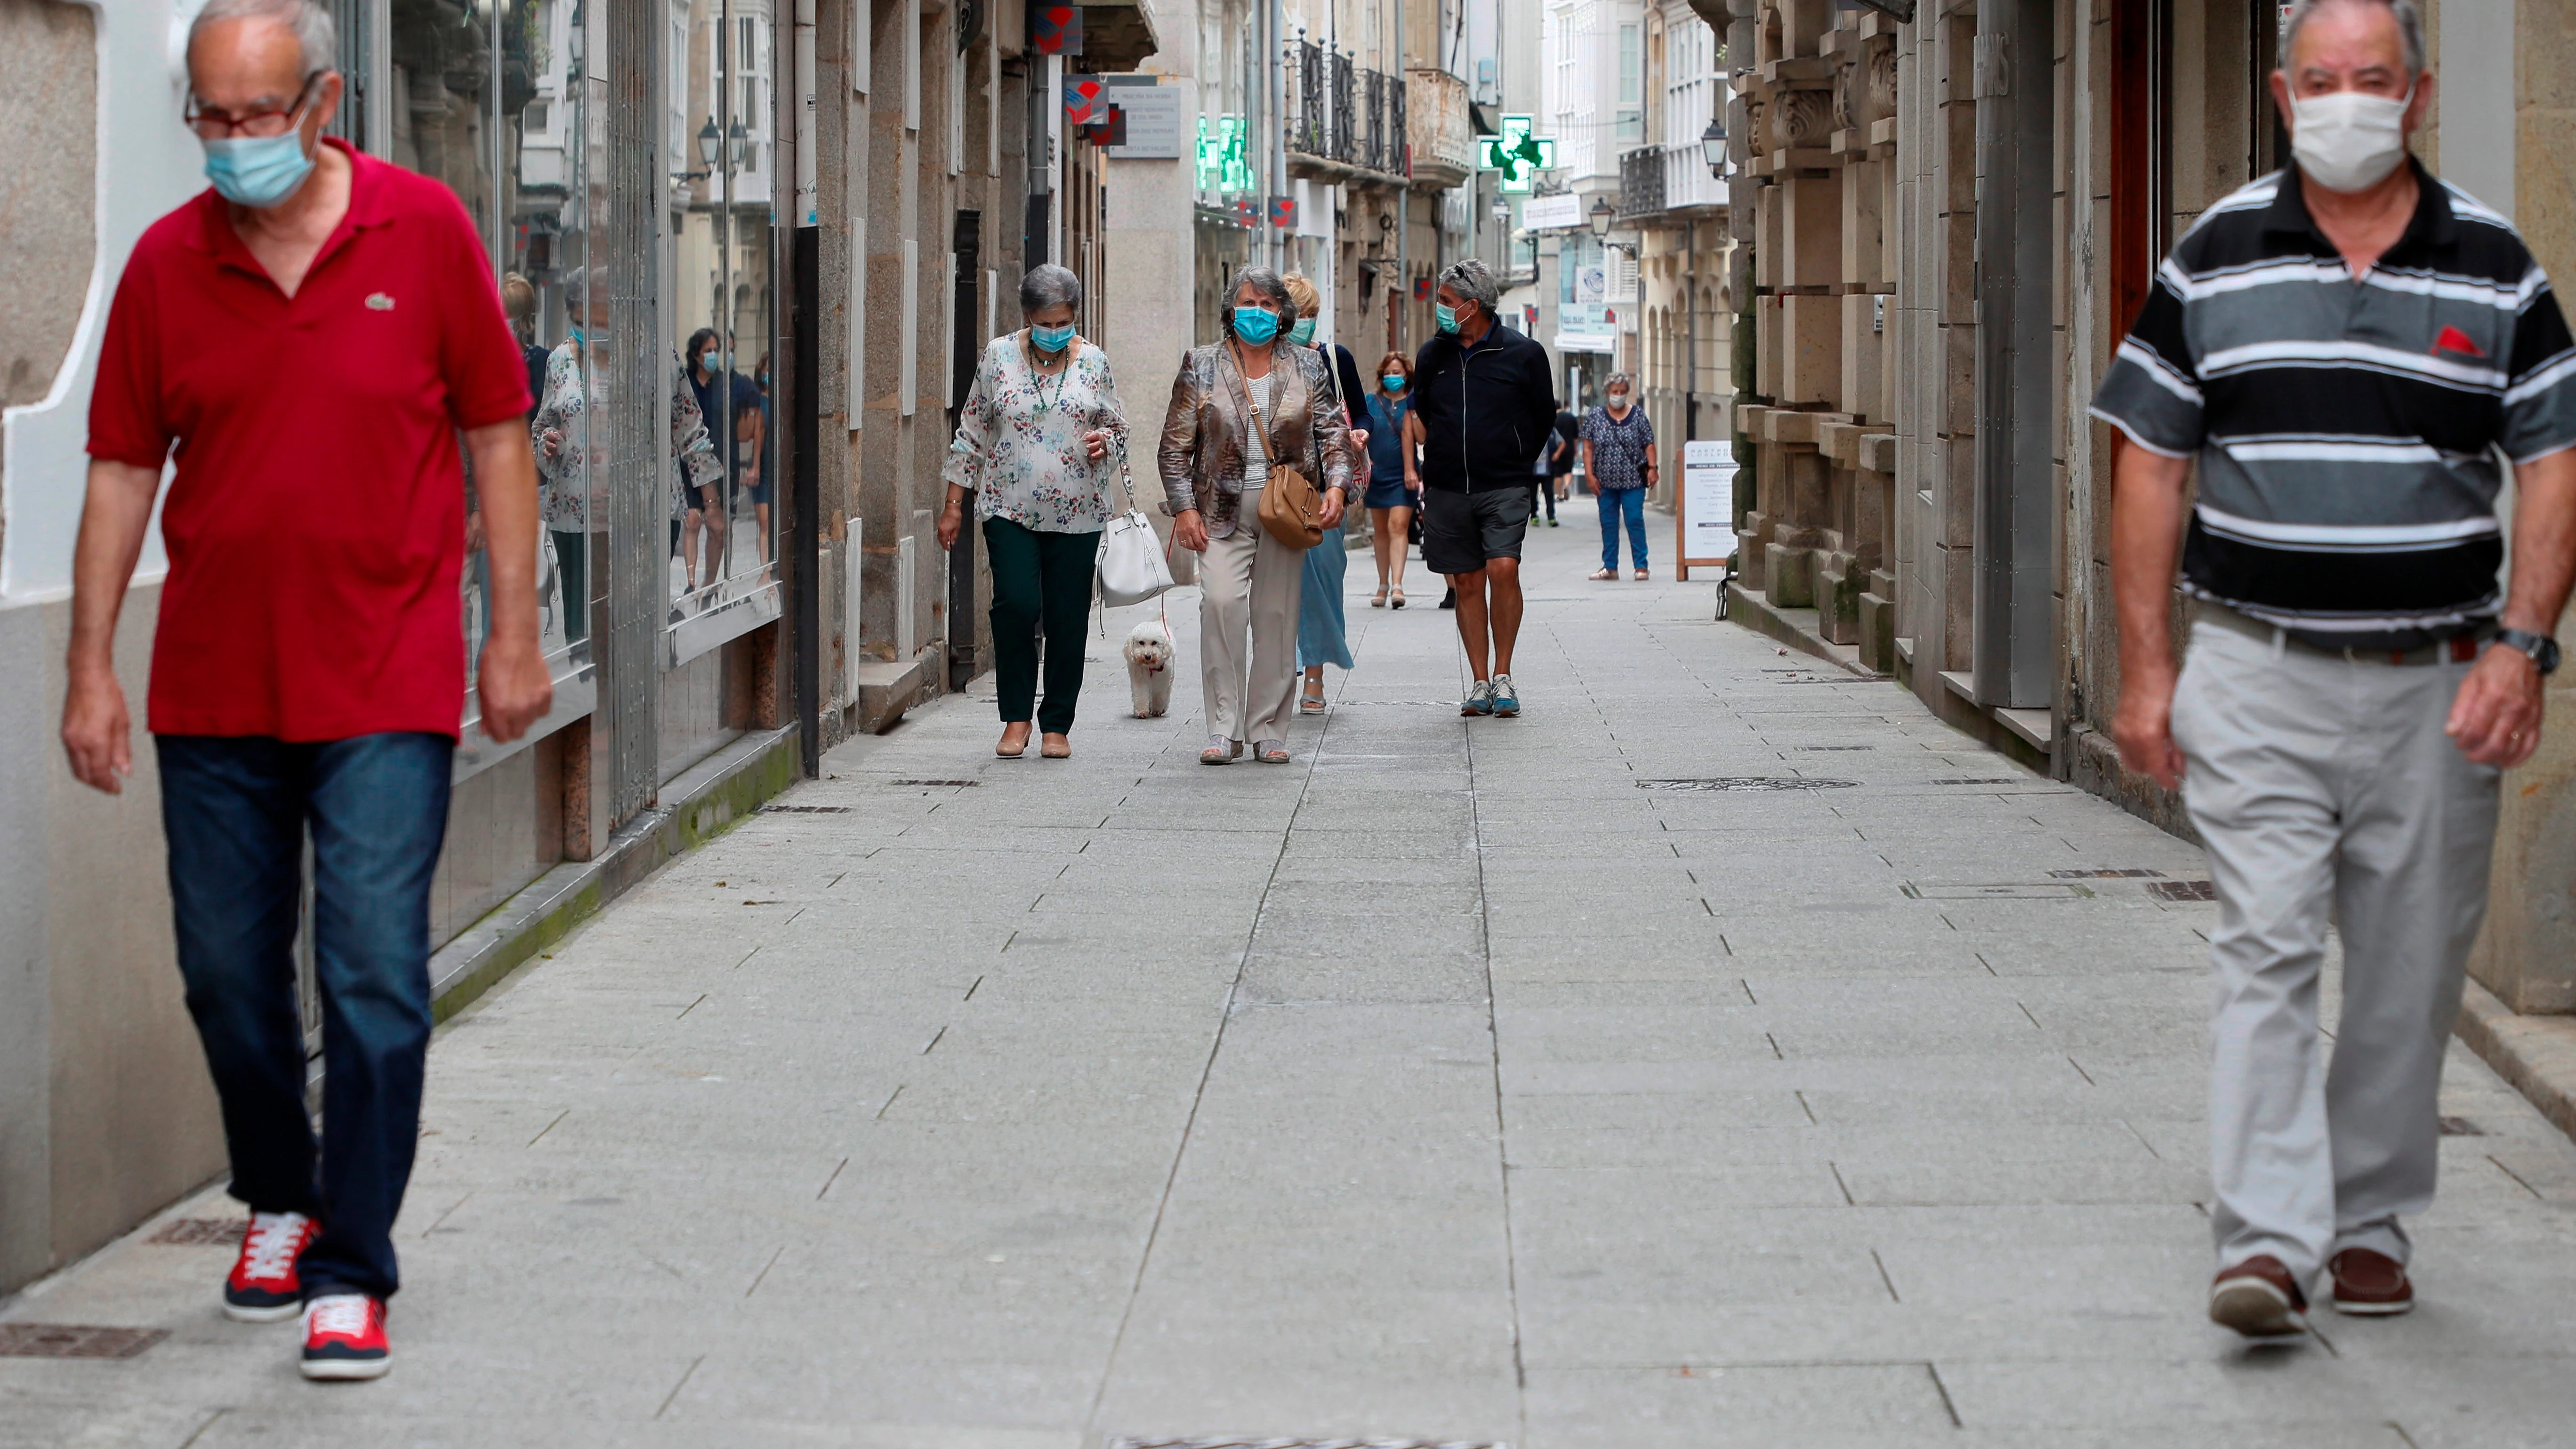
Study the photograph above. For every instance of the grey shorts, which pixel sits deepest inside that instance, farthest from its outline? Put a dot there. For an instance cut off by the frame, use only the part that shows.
(1460, 531)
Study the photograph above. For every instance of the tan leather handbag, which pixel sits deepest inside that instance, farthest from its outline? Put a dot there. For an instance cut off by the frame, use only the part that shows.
(1292, 508)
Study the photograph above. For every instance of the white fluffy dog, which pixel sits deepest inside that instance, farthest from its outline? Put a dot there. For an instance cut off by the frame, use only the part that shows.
(1149, 667)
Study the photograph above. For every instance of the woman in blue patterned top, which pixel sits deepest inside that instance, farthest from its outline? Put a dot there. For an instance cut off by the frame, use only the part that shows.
(1032, 446)
(1619, 458)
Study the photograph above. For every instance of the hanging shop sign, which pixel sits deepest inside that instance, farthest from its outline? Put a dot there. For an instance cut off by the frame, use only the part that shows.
(1223, 158)
(1055, 29)
(1540, 213)
(1516, 153)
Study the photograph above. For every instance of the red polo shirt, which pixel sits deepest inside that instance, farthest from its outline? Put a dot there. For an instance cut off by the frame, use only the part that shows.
(316, 522)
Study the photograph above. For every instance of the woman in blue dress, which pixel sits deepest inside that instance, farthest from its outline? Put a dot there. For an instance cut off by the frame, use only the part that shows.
(1393, 487)
(1322, 629)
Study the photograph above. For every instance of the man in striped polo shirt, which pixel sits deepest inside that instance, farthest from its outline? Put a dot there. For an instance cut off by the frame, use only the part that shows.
(2346, 347)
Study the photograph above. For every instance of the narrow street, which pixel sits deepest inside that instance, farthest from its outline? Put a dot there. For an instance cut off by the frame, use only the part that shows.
(1723, 1053)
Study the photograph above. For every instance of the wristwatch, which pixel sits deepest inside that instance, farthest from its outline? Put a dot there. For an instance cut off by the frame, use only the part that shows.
(2542, 649)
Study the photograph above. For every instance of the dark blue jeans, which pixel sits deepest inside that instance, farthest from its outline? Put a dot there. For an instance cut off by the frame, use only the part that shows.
(236, 811)
(1615, 504)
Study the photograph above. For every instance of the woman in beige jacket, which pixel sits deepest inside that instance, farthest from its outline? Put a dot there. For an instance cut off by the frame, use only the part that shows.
(1214, 461)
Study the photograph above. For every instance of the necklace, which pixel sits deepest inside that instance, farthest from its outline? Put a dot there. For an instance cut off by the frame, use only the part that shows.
(1046, 402)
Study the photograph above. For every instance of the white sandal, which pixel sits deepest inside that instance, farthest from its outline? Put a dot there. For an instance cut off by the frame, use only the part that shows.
(1378, 599)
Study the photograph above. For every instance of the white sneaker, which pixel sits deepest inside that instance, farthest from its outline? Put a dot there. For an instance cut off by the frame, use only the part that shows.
(1479, 700)
(1507, 700)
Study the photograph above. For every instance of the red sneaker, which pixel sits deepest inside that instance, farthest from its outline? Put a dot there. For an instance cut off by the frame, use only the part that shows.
(263, 1287)
(344, 1337)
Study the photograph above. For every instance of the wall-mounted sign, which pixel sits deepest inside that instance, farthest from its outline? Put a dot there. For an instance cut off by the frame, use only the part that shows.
(1224, 161)
(1153, 115)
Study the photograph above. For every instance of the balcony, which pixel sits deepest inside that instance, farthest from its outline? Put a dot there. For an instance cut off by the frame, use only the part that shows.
(1444, 147)
(1641, 183)
(1668, 184)
(1344, 123)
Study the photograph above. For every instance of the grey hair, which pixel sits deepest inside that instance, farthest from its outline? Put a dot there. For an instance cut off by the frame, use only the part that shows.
(1048, 285)
(1619, 379)
(315, 34)
(1267, 283)
(2409, 16)
(1473, 281)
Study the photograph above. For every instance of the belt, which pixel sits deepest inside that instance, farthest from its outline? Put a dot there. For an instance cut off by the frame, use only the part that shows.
(2460, 648)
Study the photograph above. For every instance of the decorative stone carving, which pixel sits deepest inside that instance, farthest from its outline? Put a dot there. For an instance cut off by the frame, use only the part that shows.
(1865, 91)
(1757, 134)
(1800, 119)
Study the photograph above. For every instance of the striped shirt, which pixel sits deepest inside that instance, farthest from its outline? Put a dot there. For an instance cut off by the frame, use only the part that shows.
(2347, 431)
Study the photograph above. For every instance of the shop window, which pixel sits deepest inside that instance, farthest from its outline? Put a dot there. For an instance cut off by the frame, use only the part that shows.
(473, 95)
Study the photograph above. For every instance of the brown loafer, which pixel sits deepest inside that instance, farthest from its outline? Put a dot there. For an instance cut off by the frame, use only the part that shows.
(2370, 1284)
(2259, 1299)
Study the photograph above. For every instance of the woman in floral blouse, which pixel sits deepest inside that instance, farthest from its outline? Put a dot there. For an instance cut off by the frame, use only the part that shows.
(1032, 445)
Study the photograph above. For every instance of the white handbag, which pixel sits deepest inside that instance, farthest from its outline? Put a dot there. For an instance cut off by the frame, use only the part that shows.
(1132, 568)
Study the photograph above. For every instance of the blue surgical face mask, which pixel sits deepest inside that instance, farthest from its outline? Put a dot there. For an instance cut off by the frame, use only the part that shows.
(1051, 339)
(1303, 332)
(1394, 381)
(258, 171)
(1445, 315)
(575, 334)
(1255, 325)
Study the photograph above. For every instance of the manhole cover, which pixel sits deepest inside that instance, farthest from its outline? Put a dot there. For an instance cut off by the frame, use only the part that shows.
(806, 810)
(1748, 782)
(2010, 890)
(1132, 1443)
(2461, 1127)
(188, 1232)
(74, 1340)
(2114, 873)
(2184, 890)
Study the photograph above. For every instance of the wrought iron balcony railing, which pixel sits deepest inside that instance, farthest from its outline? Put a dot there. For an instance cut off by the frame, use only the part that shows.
(1340, 117)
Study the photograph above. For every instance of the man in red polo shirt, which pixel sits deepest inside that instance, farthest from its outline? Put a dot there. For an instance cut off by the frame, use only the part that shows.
(305, 342)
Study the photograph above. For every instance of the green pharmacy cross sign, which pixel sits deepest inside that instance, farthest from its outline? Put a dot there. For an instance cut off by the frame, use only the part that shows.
(1224, 163)
(1516, 153)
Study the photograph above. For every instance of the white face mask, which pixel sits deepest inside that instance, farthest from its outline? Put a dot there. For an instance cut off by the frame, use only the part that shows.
(2348, 141)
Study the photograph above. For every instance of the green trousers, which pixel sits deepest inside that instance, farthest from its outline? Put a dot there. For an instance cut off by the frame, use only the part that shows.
(1039, 579)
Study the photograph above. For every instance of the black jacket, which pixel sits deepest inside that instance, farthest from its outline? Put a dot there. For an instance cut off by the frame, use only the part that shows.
(1485, 410)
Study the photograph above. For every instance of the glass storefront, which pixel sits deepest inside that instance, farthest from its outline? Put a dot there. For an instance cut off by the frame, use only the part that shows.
(505, 102)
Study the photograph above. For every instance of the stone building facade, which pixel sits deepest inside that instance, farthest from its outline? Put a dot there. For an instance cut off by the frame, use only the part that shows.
(1947, 212)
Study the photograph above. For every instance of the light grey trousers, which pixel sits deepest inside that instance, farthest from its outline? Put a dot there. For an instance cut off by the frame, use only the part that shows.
(1248, 584)
(2320, 784)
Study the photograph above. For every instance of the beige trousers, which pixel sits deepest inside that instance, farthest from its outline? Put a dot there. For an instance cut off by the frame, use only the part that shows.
(1248, 585)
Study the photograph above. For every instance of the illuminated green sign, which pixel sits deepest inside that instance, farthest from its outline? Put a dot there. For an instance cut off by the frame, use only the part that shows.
(1517, 154)
(1224, 162)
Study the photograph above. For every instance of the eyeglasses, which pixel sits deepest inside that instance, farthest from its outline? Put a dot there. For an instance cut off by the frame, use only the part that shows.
(212, 124)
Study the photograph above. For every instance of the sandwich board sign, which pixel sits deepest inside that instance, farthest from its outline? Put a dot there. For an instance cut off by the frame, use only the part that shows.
(1704, 516)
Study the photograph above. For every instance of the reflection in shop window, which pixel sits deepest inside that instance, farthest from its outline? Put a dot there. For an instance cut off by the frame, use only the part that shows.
(485, 99)
(724, 527)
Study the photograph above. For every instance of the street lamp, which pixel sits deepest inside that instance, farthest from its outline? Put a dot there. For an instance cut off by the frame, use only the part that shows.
(1712, 145)
(741, 140)
(1602, 215)
(709, 138)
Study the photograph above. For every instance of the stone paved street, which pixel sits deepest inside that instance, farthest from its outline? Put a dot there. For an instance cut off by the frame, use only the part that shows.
(1465, 1080)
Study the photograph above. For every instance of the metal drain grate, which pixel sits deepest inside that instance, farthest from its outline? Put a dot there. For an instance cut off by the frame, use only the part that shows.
(190, 1232)
(2009, 890)
(75, 1340)
(1983, 780)
(805, 810)
(1747, 782)
(2114, 873)
(1134, 1443)
(947, 784)
(2184, 890)
(1837, 747)
(2461, 1127)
